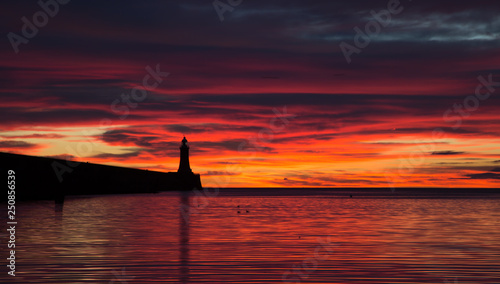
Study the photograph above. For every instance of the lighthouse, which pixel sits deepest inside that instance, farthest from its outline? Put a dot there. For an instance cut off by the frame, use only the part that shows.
(186, 179)
(184, 167)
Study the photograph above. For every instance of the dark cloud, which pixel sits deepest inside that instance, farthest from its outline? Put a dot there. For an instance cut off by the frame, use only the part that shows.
(144, 143)
(405, 143)
(447, 153)
(12, 144)
(63, 157)
(37, 136)
(122, 156)
(240, 145)
(227, 163)
(484, 176)
(220, 173)
(491, 174)
(30, 116)
(210, 127)
(183, 129)
(128, 137)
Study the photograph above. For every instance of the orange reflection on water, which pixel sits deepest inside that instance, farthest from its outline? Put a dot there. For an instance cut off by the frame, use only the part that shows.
(261, 239)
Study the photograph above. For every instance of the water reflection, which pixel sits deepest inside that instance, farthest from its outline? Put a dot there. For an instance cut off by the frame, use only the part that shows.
(58, 206)
(184, 212)
(148, 239)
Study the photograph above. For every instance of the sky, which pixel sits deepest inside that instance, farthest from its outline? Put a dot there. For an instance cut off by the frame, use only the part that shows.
(268, 93)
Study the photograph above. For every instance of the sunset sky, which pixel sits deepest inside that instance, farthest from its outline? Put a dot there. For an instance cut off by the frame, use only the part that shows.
(262, 91)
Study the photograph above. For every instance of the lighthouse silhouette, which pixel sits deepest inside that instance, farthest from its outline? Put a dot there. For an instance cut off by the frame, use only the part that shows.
(184, 167)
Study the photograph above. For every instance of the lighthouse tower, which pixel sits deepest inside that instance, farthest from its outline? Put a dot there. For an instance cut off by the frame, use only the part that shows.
(184, 167)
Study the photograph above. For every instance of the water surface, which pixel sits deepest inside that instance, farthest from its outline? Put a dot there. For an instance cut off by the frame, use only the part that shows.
(241, 237)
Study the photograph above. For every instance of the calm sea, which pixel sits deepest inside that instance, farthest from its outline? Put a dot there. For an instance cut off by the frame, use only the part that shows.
(260, 236)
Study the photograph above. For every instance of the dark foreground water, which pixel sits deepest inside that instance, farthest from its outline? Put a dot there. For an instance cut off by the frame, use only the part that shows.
(257, 237)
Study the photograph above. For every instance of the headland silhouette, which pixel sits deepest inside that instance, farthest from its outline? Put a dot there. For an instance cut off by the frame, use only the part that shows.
(52, 179)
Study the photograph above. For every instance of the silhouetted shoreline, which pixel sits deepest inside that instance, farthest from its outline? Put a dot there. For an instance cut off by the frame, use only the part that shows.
(50, 179)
